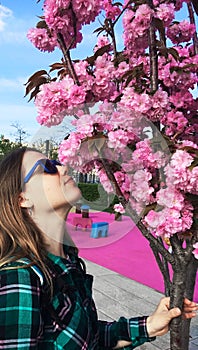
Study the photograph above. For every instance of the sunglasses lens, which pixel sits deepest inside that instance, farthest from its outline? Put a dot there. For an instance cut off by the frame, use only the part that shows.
(50, 167)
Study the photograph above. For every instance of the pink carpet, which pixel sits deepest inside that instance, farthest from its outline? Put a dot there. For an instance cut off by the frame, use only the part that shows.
(125, 250)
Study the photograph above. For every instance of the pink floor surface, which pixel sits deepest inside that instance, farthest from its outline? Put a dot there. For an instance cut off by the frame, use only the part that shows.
(125, 250)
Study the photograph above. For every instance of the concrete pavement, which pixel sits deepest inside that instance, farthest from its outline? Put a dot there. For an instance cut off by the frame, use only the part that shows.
(116, 295)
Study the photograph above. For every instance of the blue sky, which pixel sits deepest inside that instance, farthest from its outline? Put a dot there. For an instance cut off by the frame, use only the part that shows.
(19, 60)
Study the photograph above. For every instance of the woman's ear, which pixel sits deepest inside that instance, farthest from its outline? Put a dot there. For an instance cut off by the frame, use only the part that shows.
(25, 202)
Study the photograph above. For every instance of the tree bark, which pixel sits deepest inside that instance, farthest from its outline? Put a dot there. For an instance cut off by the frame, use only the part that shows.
(177, 295)
(190, 285)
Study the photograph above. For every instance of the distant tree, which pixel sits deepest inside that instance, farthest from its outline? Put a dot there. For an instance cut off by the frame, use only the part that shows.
(20, 134)
(6, 146)
(47, 147)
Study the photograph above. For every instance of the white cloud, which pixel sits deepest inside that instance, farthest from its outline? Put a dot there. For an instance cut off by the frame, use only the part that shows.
(4, 12)
(13, 30)
(12, 84)
(13, 37)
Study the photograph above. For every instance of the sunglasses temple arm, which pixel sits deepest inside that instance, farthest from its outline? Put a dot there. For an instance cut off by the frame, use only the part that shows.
(28, 176)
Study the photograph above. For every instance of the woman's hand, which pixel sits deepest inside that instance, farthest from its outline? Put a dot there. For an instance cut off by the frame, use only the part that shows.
(158, 322)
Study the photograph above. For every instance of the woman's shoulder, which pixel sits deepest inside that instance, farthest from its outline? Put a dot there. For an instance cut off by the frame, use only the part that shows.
(20, 271)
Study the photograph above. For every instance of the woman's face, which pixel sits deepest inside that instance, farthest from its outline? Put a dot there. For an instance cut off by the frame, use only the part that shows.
(49, 192)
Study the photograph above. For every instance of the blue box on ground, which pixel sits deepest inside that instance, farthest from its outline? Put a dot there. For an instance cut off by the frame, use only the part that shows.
(99, 229)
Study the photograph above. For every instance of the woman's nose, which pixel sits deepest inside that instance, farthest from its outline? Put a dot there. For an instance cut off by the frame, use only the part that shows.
(63, 169)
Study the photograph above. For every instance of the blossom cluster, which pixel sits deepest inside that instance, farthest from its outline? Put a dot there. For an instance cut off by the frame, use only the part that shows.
(175, 217)
(57, 99)
(66, 18)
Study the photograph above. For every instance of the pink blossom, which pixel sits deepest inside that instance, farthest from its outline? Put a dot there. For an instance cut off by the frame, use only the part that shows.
(159, 105)
(146, 156)
(85, 126)
(169, 221)
(187, 143)
(76, 95)
(192, 184)
(166, 12)
(119, 208)
(170, 197)
(53, 101)
(180, 32)
(195, 251)
(105, 181)
(41, 39)
(138, 102)
(181, 99)
(126, 80)
(142, 19)
(135, 31)
(154, 218)
(102, 41)
(60, 17)
(181, 159)
(141, 188)
(68, 151)
(111, 11)
(174, 122)
(118, 139)
(87, 10)
(85, 79)
(180, 175)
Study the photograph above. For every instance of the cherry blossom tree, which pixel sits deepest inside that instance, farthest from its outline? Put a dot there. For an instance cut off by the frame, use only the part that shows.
(142, 139)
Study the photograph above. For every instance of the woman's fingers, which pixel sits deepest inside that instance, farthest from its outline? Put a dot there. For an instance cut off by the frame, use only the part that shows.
(189, 308)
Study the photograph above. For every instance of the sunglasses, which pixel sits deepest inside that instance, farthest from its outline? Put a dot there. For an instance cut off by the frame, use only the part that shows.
(48, 165)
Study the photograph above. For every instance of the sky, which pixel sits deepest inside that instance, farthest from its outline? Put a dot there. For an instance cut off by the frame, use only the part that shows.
(19, 59)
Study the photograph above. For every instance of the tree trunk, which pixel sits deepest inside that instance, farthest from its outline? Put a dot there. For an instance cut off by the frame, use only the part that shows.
(118, 216)
(177, 295)
(190, 285)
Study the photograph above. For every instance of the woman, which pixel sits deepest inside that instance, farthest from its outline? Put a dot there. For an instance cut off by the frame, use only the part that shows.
(45, 293)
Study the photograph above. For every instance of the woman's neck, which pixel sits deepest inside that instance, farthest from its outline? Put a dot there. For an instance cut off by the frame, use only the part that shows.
(54, 231)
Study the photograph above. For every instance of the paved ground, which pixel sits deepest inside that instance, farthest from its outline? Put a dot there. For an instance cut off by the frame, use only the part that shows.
(116, 295)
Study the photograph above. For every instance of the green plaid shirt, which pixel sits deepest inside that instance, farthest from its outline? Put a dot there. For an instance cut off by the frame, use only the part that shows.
(26, 324)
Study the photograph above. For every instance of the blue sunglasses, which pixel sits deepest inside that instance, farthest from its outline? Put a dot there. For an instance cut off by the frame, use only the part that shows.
(48, 165)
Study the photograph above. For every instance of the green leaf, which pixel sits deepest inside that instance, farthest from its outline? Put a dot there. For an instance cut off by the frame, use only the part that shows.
(193, 165)
(42, 25)
(99, 52)
(100, 29)
(159, 25)
(56, 65)
(37, 74)
(102, 50)
(35, 83)
(34, 93)
(174, 53)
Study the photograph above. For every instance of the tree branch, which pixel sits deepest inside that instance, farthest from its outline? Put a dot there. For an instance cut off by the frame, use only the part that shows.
(163, 265)
(121, 13)
(153, 54)
(113, 39)
(66, 54)
(192, 21)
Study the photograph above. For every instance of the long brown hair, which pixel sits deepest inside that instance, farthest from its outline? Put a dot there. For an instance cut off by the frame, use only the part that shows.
(19, 235)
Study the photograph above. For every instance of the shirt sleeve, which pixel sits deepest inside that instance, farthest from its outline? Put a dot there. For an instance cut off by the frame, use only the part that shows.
(20, 318)
(133, 329)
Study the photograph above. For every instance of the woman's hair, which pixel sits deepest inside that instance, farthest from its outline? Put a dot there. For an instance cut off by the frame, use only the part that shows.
(19, 235)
